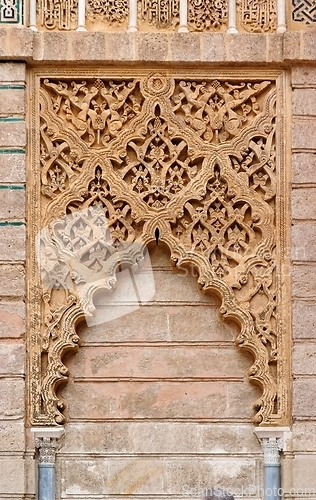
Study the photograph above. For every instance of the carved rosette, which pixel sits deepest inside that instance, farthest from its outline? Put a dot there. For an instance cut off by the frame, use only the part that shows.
(112, 12)
(123, 159)
(207, 15)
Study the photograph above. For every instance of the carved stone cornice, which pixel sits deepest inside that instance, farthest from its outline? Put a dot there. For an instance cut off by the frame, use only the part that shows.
(189, 157)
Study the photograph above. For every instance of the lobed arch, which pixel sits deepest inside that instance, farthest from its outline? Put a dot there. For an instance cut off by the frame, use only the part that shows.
(123, 160)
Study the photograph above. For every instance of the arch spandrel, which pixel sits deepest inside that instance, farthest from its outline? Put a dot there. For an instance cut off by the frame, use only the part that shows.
(189, 160)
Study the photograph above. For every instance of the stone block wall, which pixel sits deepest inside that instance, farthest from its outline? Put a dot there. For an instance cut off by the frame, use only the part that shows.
(159, 401)
(304, 277)
(12, 280)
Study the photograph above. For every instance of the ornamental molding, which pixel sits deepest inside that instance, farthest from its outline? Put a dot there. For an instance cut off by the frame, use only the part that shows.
(123, 158)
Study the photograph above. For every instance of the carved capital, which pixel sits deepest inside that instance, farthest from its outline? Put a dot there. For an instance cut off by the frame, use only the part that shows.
(47, 441)
(273, 441)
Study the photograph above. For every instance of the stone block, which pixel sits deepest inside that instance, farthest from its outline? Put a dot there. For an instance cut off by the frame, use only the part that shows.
(12, 243)
(309, 45)
(304, 134)
(120, 46)
(13, 134)
(304, 102)
(304, 397)
(87, 46)
(292, 45)
(154, 323)
(217, 438)
(304, 75)
(303, 203)
(12, 478)
(99, 437)
(12, 283)
(191, 477)
(303, 241)
(246, 48)
(12, 398)
(20, 44)
(303, 280)
(12, 203)
(275, 47)
(303, 167)
(152, 47)
(12, 101)
(304, 478)
(303, 359)
(158, 362)
(304, 436)
(12, 72)
(185, 47)
(138, 476)
(213, 47)
(12, 359)
(53, 46)
(304, 320)
(84, 477)
(3, 42)
(160, 400)
(12, 436)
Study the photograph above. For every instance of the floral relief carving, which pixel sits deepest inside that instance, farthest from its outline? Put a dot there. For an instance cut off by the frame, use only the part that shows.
(258, 16)
(190, 159)
(114, 12)
(205, 15)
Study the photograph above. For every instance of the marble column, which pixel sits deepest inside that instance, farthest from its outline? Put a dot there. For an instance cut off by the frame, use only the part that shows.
(272, 441)
(47, 443)
(132, 17)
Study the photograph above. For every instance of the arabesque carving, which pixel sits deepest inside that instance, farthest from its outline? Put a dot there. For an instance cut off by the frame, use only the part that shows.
(114, 12)
(190, 161)
(207, 15)
(258, 16)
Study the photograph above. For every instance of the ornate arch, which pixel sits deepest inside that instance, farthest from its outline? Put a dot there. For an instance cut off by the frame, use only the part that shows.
(195, 161)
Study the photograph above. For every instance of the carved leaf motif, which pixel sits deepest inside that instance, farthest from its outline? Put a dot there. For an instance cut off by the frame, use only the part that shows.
(207, 15)
(111, 11)
(217, 111)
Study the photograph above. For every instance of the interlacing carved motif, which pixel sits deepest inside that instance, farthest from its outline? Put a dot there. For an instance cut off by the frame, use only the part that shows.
(304, 11)
(58, 14)
(204, 15)
(190, 162)
(159, 13)
(114, 12)
(258, 16)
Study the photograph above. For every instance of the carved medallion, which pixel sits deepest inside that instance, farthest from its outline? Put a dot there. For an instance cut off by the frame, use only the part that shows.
(191, 158)
(258, 16)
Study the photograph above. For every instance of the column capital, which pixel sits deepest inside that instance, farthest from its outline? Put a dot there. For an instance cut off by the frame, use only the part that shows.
(46, 441)
(273, 440)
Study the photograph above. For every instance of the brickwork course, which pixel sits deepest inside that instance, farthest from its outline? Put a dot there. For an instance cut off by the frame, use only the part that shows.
(159, 402)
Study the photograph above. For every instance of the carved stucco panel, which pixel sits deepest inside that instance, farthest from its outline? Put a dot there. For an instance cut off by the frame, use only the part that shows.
(194, 160)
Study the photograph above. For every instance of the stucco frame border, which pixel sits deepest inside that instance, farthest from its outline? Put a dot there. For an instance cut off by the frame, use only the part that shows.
(34, 388)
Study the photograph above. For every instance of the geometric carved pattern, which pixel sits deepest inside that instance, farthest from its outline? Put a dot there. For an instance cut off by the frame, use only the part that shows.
(11, 11)
(205, 15)
(304, 11)
(54, 14)
(159, 13)
(189, 157)
(258, 16)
